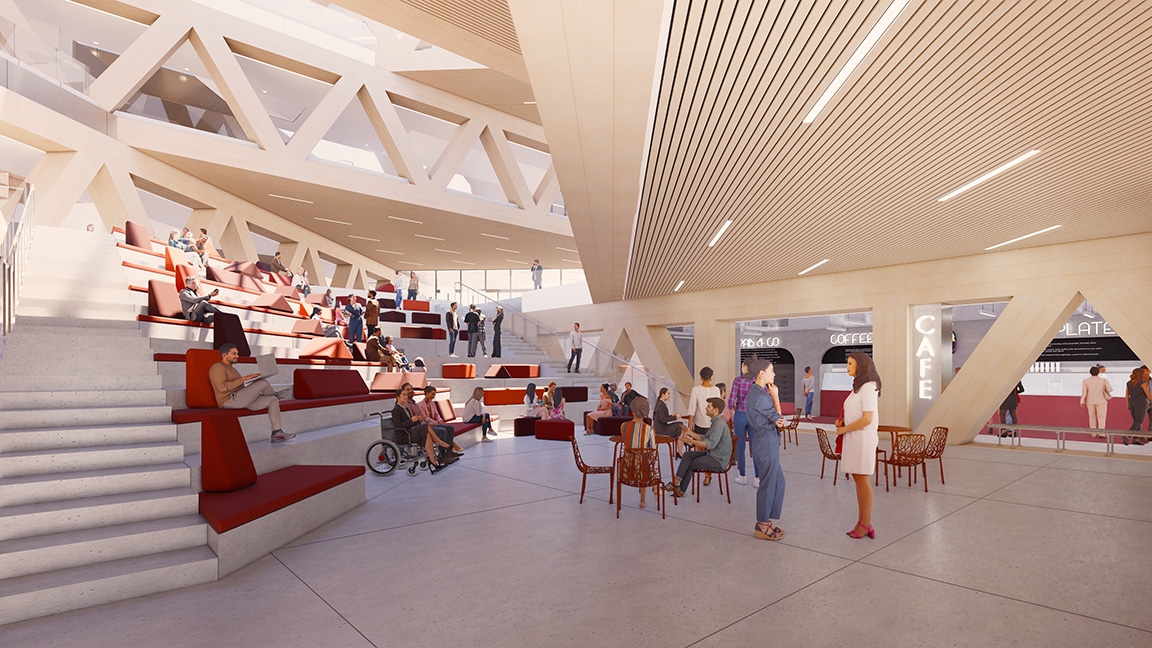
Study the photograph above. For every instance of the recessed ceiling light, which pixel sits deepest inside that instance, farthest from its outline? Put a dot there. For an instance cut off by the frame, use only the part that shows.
(329, 220)
(678, 286)
(183, 78)
(363, 238)
(434, 238)
(866, 45)
(1021, 238)
(991, 174)
(390, 252)
(526, 103)
(264, 91)
(507, 250)
(568, 250)
(290, 198)
(447, 251)
(494, 236)
(412, 263)
(723, 228)
(463, 262)
(95, 42)
(813, 267)
(570, 260)
(186, 69)
(515, 261)
(406, 220)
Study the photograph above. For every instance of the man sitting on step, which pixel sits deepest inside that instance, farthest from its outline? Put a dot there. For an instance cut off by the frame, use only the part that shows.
(197, 308)
(232, 393)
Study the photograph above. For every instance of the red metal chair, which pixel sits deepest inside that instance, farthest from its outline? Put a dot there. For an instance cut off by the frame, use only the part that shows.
(724, 489)
(935, 450)
(829, 453)
(590, 470)
(640, 467)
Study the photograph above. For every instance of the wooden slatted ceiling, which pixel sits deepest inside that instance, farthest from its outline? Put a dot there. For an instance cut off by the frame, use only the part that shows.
(952, 91)
(488, 19)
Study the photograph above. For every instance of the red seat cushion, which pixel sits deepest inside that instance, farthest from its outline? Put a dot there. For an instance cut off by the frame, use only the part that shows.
(316, 299)
(417, 305)
(524, 426)
(308, 327)
(278, 279)
(245, 268)
(136, 235)
(228, 329)
(198, 389)
(163, 300)
(423, 333)
(609, 425)
(226, 463)
(419, 379)
(326, 347)
(522, 370)
(576, 394)
(386, 288)
(504, 396)
(288, 291)
(426, 318)
(561, 430)
(458, 370)
(395, 316)
(290, 405)
(447, 412)
(387, 381)
(183, 272)
(327, 383)
(173, 258)
(272, 492)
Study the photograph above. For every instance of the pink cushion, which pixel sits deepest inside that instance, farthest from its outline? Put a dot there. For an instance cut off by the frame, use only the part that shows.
(326, 347)
(163, 300)
(136, 235)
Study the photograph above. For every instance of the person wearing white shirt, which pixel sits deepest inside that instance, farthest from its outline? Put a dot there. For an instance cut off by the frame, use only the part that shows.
(859, 426)
(1094, 394)
(398, 284)
(577, 341)
(698, 401)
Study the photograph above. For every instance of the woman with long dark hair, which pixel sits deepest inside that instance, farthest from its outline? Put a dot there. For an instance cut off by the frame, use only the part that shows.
(859, 427)
(1137, 396)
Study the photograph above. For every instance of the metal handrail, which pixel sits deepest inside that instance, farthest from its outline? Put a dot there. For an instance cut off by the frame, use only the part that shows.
(14, 251)
(507, 309)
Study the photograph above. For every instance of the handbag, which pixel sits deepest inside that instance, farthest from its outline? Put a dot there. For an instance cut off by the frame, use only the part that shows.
(840, 437)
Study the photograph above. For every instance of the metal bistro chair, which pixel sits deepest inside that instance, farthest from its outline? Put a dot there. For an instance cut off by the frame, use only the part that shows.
(907, 452)
(725, 489)
(829, 453)
(640, 467)
(590, 470)
(793, 427)
(935, 450)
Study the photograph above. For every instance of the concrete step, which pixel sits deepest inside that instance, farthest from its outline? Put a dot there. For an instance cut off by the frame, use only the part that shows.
(77, 399)
(14, 419)
(79, 381)
(70, 460)
(27, 597)
(130, 350)
(59, 290)
(27, 520)
(69, 549)
(89, 325)
(65, 308)
(33, 489)
(85, 437)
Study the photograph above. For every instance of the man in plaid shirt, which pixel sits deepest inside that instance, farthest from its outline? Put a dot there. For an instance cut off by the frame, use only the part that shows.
(737, 394)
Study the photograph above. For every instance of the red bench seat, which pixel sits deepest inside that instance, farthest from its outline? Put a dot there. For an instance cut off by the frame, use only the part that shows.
(271, 492)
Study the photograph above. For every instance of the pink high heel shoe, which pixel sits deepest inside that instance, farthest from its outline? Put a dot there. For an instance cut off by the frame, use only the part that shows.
(860, 532)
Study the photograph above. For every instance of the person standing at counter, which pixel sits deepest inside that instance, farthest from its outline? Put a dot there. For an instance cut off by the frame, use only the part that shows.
(859, 427)
(1009, 405)
(763, 408)
(1095, 393)
(809, 385)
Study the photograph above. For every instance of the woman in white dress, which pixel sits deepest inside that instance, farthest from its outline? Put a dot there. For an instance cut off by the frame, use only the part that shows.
(861, 419)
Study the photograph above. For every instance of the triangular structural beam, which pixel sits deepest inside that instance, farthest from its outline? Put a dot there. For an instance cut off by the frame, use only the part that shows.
(1017, 338)
(506, 166)
(352, 137)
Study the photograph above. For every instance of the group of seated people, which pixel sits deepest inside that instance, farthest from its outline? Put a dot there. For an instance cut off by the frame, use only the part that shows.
(425, 426)
(550, 406)
(611, 405)
(198, 247)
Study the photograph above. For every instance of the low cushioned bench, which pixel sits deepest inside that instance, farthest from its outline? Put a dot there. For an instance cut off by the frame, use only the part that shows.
(423, 333)
(448, 413)
(561, 430)
(513, 371)
(525, 426)
(417, 305)
(458, 370)
(508, 395)
(426, 318)
(251, 515)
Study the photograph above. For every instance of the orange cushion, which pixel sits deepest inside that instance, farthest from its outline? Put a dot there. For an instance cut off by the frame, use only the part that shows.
(419, 379)
(326, 347)
(504, 396)
(163, 300)
(136, 235)
(272, 301)
(327, 383)
(308, 327)
(417, 305)
(458, 370)
(226, 464)
(173, 258)
(198, 389)
(183, 272)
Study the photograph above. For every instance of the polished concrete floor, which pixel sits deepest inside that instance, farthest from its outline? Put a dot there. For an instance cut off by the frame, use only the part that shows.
(1019, 548)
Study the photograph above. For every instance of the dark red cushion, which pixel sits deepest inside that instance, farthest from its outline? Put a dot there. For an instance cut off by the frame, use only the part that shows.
(393, 316)
(272, 492)
(524, 426)
(163, 300)
(522, 370)
(226, 464)
(198, 390)
(561, 430)
(136, 235)
(195, 415)
(575, 394)
(386, 288)
(228, 329)
(327, 383)
(608, 425)
(426, 318)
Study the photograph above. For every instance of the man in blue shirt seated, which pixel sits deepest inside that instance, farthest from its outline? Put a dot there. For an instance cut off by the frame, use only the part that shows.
(714, 449)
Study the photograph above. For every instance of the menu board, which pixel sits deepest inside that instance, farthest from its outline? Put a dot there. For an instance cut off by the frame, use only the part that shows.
(839, 354)
(1100, 349)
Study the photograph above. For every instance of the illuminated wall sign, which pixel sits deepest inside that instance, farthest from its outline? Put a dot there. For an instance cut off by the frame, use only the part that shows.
(759, 343)
(850, 338)
(1086, 328)
(931, 356)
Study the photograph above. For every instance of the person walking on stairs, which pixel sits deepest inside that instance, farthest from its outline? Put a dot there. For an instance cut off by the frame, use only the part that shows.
(576, 339)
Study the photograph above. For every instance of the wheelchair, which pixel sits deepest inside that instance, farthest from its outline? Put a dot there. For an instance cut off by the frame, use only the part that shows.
(395, 450)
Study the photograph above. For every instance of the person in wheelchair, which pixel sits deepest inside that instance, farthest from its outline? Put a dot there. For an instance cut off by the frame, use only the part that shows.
(431, 414)
(418, 432)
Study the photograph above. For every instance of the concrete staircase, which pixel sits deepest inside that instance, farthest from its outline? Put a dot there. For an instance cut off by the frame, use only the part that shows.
(95, 497)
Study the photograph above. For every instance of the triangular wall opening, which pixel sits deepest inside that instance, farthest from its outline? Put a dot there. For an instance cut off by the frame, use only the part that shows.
(352, 142)
(429, 130)
(288, 92)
